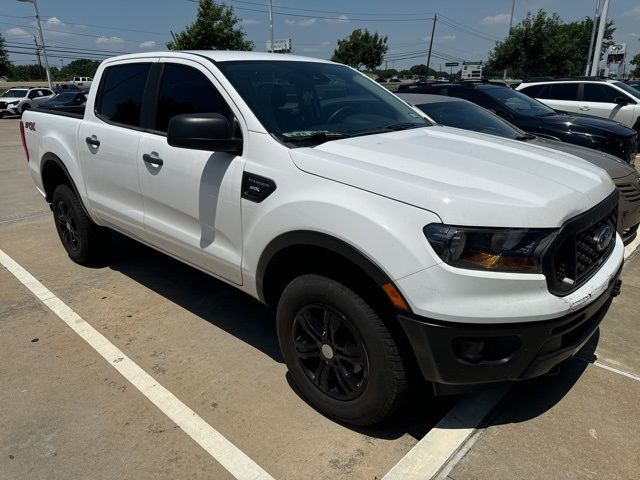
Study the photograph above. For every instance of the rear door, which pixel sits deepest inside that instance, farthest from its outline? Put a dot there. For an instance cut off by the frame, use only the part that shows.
(191, 197)
(560, 96)
(108, 140)
(598, 99)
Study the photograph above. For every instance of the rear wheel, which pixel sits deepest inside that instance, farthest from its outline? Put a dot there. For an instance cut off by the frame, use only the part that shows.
(340, 354)
(83, 240)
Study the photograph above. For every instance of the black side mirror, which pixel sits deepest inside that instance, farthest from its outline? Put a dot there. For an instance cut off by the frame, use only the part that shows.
(621, 101)
(203, 131)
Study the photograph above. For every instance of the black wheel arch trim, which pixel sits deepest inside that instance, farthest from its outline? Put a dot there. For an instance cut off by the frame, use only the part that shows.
(316, 239)
(50, 157)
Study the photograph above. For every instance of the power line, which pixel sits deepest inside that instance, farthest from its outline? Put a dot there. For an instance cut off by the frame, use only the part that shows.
(76, 48)
(386, 14)
(88, 25)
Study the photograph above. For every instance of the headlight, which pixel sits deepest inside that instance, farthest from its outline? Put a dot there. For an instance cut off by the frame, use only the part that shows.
(15, 102)
(498, 249)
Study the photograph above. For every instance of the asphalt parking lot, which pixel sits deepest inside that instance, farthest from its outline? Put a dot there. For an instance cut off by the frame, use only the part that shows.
(66, 412)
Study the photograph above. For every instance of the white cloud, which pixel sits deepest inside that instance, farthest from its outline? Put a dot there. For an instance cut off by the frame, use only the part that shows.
(339, 19)
(109, 40)
(307, 22)
(54, 21)
(148, 44)
(634, 12)
(250, 21)
(17, 32)
(326, 43)
(446, 38)
(301, 23)
(499, 19)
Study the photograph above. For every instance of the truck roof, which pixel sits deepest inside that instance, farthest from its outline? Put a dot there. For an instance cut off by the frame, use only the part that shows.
(219, 56)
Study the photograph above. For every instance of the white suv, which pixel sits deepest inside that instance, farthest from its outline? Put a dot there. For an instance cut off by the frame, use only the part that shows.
(81, 81)
(16, 100)
(610, 99)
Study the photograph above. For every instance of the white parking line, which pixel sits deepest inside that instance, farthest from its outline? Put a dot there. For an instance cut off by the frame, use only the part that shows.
(440, 448)
(221, 449)
(430, 454)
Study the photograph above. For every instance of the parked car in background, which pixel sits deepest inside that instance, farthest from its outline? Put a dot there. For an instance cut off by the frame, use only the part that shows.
(381, 80)
(534, 117)
(634, 84)
(66, 87)
(394, 80)
(608, 98)
(459, 113)
(82, 81)
(16, 100)
(66, 99)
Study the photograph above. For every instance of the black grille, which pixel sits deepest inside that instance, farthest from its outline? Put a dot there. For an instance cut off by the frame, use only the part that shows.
(587, 254)
(574, 256)
(3, 105)
(629, 147)
(630, 192)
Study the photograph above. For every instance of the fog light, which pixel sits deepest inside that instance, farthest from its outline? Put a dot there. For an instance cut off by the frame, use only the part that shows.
(485, 349)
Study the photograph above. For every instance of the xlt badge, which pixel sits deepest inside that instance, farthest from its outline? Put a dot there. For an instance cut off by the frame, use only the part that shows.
(256, 188)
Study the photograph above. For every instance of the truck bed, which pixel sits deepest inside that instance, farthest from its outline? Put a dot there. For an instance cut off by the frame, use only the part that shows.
(74, 111)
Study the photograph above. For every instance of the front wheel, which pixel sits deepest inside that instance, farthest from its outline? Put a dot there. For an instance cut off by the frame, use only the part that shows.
(83, 240)
(339, 353)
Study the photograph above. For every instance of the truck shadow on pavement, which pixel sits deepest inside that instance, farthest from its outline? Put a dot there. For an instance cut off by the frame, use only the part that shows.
(251, 322)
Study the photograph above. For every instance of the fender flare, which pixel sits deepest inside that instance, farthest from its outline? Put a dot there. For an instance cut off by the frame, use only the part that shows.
(316, 239)
(51, 157)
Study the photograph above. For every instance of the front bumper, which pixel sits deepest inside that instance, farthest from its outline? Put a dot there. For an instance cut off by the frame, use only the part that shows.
(454, 353)
(10, 110)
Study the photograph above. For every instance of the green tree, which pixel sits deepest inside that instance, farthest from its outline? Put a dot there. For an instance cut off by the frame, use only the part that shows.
(214, 29)
(5, 64)
(636, 62)
(543, 44)
(78, 68)
(361, 49)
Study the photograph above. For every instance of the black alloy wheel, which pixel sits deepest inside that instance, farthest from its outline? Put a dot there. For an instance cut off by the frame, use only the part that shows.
(330, 351)
(67, 226)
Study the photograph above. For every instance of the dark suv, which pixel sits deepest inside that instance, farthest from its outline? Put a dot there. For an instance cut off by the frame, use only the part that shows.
(535, 117)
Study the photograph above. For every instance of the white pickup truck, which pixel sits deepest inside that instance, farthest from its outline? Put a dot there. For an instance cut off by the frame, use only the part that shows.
(387, 244)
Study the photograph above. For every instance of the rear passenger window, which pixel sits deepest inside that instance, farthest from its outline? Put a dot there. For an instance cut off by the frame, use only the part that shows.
(534, 91)
(121, 92)
(561, 91)
(596, 92)
(186, 90)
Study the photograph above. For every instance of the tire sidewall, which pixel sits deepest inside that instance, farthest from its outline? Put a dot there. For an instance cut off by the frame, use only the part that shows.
(64, 194)
(313, 289)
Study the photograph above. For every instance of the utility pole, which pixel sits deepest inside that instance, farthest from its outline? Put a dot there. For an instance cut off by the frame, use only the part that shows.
(38, 54)
(44, 49)
(593, 36)
(271, 22)
(433, 31)
(513, 7)
(597, 51)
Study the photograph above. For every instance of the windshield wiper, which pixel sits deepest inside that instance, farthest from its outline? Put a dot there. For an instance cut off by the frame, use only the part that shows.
(319, 136)
(525, 137)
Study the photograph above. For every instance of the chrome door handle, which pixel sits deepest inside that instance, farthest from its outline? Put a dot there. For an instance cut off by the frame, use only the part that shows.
(93, 141)
(152, 160)
(585, 109)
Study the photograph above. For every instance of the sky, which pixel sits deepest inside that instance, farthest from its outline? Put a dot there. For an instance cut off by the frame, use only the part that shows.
(465, 29)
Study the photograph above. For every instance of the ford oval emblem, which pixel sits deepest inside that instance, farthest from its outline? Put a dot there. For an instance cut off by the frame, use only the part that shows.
(603, 236)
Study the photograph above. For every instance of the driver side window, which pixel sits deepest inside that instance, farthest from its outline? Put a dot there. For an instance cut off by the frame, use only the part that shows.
(184, 89)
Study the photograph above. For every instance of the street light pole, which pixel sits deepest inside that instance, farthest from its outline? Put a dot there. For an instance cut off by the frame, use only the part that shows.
(597, 51)
(513, 7)
(44, 50)
(271, 22)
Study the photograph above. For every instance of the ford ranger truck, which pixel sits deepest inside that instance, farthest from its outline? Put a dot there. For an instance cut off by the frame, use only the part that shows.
(386, 244)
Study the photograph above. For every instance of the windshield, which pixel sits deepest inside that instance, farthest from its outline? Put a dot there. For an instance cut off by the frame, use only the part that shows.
(628, 88)
(470, 117)
(317, 101)
(15, 92)
(64, 97)
(519, 102)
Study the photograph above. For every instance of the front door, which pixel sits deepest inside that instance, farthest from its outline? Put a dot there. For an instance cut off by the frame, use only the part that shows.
(191, 197)
(598, 99)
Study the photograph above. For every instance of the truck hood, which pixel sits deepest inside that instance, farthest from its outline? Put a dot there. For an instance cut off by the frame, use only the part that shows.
(11, 99)
(465, 178)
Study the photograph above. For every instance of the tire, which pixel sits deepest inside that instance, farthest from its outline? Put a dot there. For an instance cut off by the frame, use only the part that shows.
(84, 241)
(25, 107)
(339, 353)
